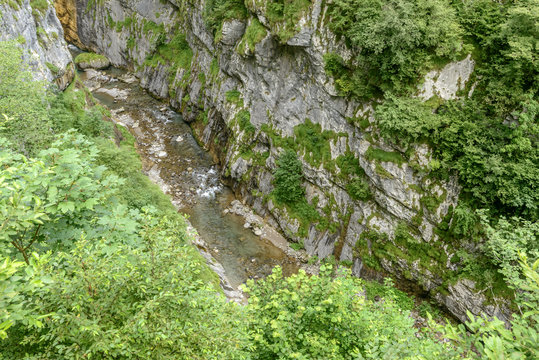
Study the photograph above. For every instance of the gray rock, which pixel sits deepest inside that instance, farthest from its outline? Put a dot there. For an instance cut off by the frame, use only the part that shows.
(41, 37)
(232, 31)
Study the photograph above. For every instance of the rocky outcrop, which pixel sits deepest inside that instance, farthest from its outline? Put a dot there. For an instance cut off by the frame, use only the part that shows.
(247, 102)
(40, 34)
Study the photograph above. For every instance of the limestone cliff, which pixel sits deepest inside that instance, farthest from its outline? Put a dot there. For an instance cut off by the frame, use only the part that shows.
(37, 29)
(256, 87)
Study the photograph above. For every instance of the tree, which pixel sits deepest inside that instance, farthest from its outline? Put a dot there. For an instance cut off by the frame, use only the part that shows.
(396, 40)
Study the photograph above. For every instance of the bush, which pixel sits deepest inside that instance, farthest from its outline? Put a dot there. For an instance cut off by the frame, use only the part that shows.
(326, 317)
(287, 178)
(358, 189)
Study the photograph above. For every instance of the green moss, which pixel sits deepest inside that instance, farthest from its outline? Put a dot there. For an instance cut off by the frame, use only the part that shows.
(39, 7)
(314, 143)
(244, 120)
(385, 156)
(53, 68)
(214, 68)
(379, 169)
(254, 33)
(234, 97)
(88, 57)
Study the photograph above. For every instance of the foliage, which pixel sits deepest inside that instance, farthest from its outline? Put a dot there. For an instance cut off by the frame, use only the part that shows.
(284, 15)
(287, 178)
(358, 189)
(23, 101)
(496, 161)
(176, 52)
(507, 241)
(62, 186)
(254, 33)
(15, 287)
(325, 317)
(398, 40)
(147, 300)
(218, 11)
(314, 141)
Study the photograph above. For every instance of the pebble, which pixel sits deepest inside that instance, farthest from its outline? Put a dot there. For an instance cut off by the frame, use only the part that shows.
(246, 225)
(189, 169)
(258, 232)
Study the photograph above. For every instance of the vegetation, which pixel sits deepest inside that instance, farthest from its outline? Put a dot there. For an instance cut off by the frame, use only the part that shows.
(254, 34)
(399, 41)
(288, 178)
(95, 262)
(89, 58)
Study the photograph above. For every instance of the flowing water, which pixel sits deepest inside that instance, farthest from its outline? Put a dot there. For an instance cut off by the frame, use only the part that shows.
(172, 158)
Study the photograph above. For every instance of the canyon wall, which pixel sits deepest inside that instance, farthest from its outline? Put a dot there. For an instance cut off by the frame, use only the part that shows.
(249, 97)
(36, 28)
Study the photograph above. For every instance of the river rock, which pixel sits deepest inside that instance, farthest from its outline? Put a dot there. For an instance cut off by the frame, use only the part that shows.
(92, 61)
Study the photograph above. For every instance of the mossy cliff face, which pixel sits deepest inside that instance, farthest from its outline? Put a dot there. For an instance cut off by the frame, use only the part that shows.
(35, 27)
(257, 86)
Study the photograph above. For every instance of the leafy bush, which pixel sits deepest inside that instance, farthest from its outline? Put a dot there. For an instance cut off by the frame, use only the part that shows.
(142, 300)
(287, 178)
(358, 189)
(491, 338)
(325, 317)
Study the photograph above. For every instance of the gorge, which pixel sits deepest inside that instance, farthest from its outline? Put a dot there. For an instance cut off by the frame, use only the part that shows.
(231, 87)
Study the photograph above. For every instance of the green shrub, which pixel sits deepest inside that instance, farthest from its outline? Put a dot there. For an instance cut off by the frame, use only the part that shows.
(358, 189)
(218, 11)
(287, 178)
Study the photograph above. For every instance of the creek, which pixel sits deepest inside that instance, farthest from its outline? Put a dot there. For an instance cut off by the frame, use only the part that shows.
(173, 159)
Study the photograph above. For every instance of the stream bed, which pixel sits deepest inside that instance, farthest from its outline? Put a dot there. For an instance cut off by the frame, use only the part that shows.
(173, 159)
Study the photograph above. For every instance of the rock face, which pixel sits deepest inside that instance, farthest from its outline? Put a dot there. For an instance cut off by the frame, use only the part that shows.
(40, 34)
(246, 102)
